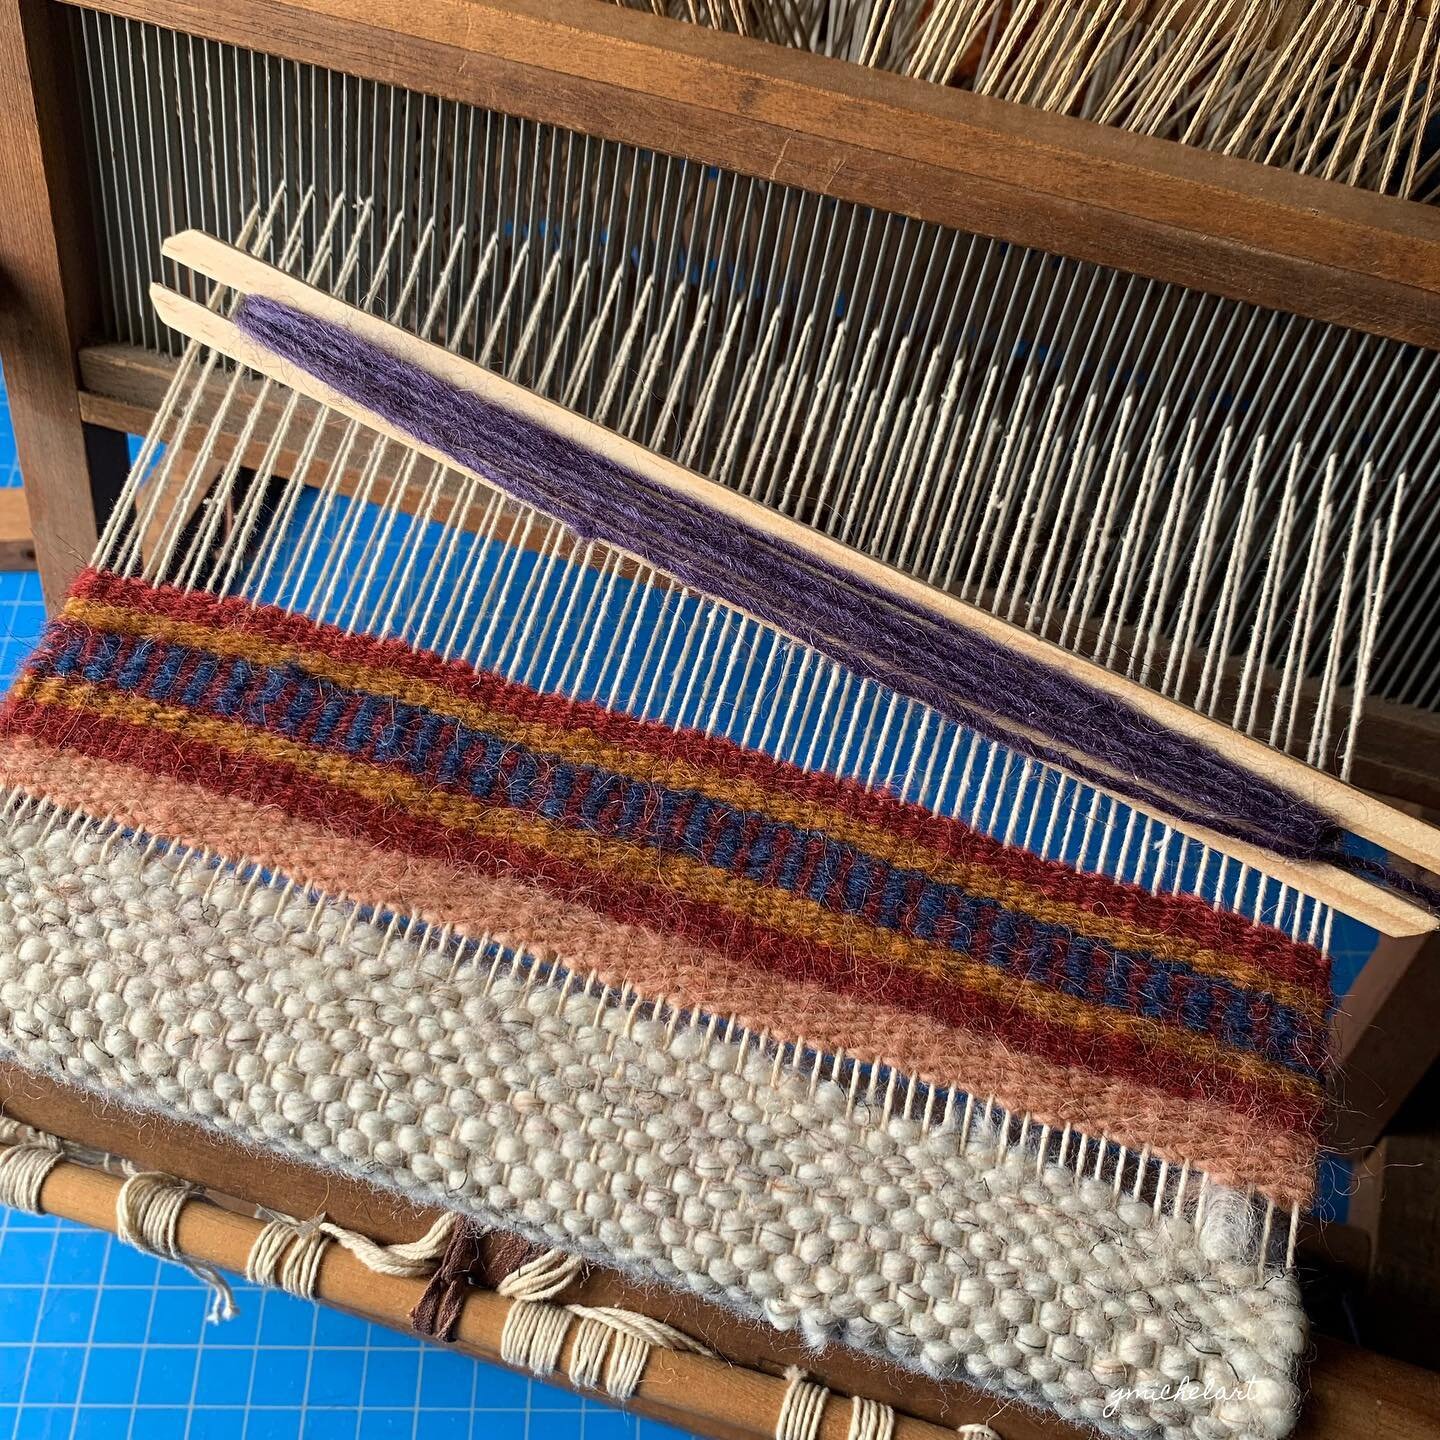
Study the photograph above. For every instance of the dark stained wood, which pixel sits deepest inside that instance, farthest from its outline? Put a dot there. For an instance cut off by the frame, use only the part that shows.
(1153, 207)
(1399, 752)
(1386, 1038)
(1357, 1395)
(1396, 1202)
(47, 299)
(1352, 1392)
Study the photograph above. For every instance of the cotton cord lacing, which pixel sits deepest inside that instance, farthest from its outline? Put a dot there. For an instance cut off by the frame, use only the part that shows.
(870, 1420)
(802, 1408)
(611, 1347)
(288, 1253)
(24, 1167)
(147, 1216)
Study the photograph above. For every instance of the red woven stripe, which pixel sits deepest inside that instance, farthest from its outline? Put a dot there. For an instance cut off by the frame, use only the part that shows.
(1285, 959)
(848, 971)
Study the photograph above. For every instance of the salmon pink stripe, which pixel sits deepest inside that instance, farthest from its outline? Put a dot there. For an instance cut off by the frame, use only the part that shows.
(1164, 914)
(1148, 1054)
(1237, 1147)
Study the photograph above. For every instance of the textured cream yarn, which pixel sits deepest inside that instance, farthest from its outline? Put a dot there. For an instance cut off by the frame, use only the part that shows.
(648, 1143)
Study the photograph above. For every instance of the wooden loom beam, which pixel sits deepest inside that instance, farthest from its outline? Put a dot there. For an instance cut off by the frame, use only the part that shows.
(1153, 207)
(1385, 1038)
(1351, 1392)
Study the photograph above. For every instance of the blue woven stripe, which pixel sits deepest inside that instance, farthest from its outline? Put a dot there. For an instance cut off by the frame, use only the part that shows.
(439, 749)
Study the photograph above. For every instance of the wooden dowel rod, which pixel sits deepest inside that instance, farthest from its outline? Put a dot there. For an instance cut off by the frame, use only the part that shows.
(693, 1390)
(1372, 819)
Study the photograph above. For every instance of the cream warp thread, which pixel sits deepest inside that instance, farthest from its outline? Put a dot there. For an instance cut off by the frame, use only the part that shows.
(410, 1259)
(147, 1216)
(631, 1337)
(534, 1335)
(612, 1346)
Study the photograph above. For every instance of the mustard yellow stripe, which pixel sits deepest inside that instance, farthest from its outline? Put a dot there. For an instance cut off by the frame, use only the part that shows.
(582, 746)
(788, 913)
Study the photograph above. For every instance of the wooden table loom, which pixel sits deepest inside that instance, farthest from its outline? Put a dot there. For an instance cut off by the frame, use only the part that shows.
(82, 372)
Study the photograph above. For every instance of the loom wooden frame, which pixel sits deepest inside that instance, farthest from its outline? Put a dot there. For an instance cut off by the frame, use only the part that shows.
(1216, 224)
(1154, 207)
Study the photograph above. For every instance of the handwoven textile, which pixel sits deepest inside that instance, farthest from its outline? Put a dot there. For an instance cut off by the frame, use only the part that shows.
(685, 867)
(580, 1117)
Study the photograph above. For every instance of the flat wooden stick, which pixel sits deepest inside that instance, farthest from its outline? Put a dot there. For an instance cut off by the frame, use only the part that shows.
(1366, 816)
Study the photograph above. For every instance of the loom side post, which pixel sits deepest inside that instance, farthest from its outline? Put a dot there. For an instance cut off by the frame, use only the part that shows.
(50, 303)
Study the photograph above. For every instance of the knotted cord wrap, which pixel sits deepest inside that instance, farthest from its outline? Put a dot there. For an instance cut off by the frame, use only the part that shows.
(437, 1313)
(542, 1276)
(288, 1256)
(534, 1336)
(870, 1420)
(408, 1259)
(24, 1167)
(288, 1253)
(1030, 707)
(611, 1347)
(801, 1408)
(629, 1338)
(504, 1253)
(147, 1216)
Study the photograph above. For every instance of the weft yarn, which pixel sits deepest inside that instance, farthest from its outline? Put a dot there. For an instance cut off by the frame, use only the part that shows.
(1035, 709)
(302, 1028)
(750, 877)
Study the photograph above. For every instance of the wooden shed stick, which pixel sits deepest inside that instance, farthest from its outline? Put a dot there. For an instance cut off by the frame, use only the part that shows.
(1372, 819)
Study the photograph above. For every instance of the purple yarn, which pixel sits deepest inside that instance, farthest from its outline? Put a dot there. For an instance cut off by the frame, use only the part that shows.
(965, 677)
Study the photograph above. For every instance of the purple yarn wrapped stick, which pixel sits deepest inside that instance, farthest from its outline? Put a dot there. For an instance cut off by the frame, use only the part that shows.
(965, 677)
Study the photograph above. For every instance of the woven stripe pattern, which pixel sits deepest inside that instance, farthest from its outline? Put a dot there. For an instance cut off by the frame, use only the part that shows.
(744, 864)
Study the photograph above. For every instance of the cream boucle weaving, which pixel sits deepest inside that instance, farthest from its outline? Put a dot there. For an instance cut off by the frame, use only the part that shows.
(643, 1137)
